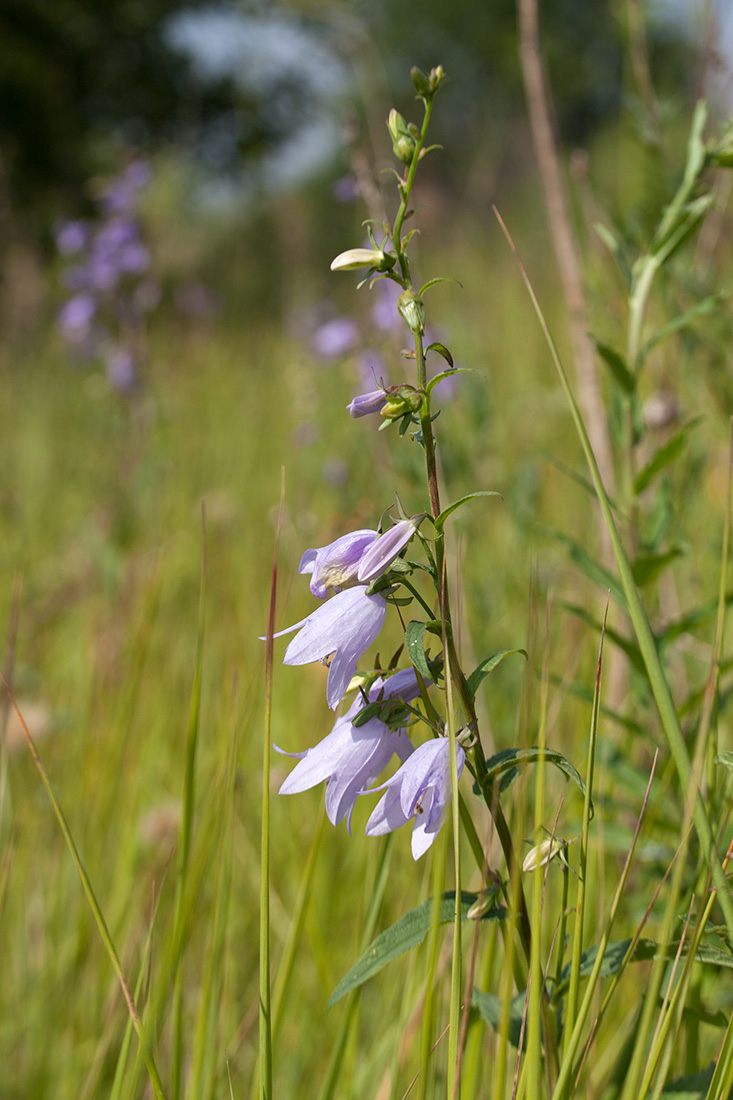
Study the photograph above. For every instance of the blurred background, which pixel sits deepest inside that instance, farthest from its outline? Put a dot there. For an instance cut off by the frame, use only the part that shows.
(175, 179)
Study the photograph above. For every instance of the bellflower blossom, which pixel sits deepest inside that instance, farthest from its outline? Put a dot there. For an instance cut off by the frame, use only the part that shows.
(360, 555)
(350, 757)
(333, 566)
(343, 628)
(419, 789)
(379, 556)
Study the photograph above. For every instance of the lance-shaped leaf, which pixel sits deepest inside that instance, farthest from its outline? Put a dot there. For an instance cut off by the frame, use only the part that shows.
(663, 457)
(510, 759)
(408, 932)
(618, 366)
(440, 520)
(488, 666)
(700, 309)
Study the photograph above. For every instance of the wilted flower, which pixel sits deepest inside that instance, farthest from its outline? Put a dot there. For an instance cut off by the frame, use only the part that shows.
(335, 565)
(341, 629)
(351, 757)
(419, 789)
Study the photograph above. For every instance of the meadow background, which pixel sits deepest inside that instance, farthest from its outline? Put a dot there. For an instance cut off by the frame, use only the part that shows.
(102, 545)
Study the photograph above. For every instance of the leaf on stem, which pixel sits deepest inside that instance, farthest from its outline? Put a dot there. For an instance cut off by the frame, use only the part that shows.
(440, 520)
(487, 666)
(408, 932)
(663, 457)
(511, 759)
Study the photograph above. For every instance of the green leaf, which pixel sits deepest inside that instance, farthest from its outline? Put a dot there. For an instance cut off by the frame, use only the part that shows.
(511, 758)
(700, 309)
(693, 1086)
(629, 647)
(415, 645)
(441, 350)
(408, 932)
(666, 454)
(647, 567)
(440, 279)
(440, 520)
(612, 244)
(592, 569)
(613, 960)
(726, 759)
(446, 373)
(488, 666)
(489, 1008)
(618, 366)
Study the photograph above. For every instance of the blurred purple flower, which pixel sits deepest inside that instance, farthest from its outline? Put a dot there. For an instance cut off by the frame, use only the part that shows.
(366, 403)
(120, 369)
(122, 194)
(346, 189)
(343, 628)
(335, 338)
(419, 789)
(335, 565)
(76, 316)
(351, 757)
(71, 237)
(384, 312)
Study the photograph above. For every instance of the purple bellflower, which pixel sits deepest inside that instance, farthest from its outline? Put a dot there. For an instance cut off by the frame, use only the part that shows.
(380, 555)
(419, 789)
(365, 403)
(343, 628)
(335, 565)
(351, 757)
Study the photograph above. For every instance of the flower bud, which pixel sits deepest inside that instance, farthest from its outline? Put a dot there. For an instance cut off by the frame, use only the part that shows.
(401, 400)
(420, 82)
(403, 143)
(355, 258)
(542, 853)
(413, 311)
(437, 75)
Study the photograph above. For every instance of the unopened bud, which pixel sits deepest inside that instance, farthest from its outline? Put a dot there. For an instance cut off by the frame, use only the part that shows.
(356, 258)
(420, 82)
(403, 143)
(542, 853)
(413, 311)
(437, 76)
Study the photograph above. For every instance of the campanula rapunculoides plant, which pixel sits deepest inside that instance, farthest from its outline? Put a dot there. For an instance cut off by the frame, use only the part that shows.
(365, 575)
(409, 731)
